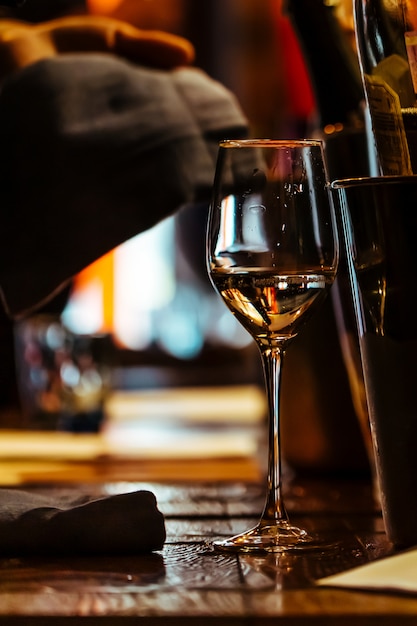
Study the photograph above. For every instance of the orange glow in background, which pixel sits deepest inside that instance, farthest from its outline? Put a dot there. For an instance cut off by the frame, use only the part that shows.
(100, 273)
(103, 7)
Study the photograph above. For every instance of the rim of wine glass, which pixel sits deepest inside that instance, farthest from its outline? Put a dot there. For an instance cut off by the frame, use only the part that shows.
(270, 143)
(363, 181)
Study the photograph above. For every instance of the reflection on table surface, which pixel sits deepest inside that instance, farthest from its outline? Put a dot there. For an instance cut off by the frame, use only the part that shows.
(204, 493)
(187, 579)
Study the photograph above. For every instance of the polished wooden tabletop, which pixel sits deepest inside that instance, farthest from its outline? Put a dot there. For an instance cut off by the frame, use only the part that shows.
(190, 583)
(205, 491)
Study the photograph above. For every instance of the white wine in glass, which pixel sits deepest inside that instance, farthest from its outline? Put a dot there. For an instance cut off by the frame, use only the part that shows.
(272, 254)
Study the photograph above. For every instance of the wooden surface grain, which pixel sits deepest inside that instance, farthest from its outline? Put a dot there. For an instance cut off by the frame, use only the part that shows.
(190, 583)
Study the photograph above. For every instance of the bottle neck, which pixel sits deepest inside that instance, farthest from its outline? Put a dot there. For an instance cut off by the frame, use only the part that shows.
(380, 28)
(337, 84)
(381, 31)
(330, 59)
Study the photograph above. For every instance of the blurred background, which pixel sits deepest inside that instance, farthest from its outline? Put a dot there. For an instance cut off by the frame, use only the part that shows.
(168, 328)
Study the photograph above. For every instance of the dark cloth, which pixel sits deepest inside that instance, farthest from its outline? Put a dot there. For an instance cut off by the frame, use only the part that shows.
(94, 150)
(34, 524)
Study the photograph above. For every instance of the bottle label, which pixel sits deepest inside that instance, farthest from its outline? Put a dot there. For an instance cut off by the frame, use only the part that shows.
(388, 127)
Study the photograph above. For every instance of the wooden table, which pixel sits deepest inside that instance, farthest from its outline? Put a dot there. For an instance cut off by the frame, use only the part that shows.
(189, 583)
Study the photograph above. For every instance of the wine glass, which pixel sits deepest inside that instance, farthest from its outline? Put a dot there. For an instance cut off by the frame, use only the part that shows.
(272, 254)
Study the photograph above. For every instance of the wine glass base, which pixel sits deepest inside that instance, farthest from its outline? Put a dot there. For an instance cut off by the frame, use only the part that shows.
(276, 537)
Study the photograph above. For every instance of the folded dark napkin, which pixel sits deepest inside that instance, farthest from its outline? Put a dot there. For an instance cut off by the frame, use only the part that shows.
(93, 150)
(125, 524)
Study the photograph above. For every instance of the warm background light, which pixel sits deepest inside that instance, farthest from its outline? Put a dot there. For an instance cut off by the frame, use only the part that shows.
(167, 15)
(103, 7)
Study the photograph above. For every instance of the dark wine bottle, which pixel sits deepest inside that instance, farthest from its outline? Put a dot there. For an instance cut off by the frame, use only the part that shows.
(337, 84)
(387, 45)
(329, 345)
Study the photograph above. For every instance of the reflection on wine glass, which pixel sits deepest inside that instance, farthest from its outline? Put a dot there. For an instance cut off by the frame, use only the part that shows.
(272, 255)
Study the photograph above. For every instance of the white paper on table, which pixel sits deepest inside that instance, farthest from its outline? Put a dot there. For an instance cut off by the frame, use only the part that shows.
(397, 572)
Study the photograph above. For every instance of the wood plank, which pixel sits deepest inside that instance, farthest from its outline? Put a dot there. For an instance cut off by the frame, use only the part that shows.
(189, 583)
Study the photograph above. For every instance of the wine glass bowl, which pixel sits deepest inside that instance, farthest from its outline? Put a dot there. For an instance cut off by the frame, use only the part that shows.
(272, 255)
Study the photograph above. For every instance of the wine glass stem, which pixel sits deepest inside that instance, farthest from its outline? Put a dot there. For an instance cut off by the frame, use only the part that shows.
(274, 510)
